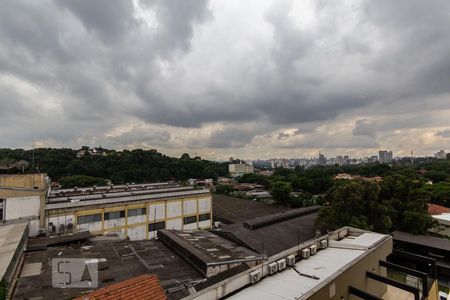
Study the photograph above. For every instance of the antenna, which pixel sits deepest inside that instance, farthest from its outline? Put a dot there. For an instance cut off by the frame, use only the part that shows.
(32, 165)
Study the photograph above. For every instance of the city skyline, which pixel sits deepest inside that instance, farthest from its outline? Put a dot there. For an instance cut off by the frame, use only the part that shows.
(258, 79)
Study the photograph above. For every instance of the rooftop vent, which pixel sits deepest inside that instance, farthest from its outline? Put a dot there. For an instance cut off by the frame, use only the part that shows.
(306, 253)
(290, 260)
(273, 268)
(255, 276)
(281, 264)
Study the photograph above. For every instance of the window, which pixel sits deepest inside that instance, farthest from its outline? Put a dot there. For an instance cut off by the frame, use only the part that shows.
(137, 212)
(156, 226)
(190, 220)
(1, 214)
(204, 217)
(114, 215)
(89, 219)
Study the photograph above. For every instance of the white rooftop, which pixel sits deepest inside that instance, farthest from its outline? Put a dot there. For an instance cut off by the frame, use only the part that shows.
(325, 265)
(10, 237)
(442, 217)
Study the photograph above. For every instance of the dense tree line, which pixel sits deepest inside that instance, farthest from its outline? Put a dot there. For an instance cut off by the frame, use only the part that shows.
(398, 202)
(118, 166)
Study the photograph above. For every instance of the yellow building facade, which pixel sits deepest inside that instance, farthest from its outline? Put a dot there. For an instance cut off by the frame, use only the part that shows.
(135, 217)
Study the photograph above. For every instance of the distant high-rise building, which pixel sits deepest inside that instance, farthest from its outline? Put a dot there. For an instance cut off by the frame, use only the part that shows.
(440, 154)
(322, 160)
(385, 156)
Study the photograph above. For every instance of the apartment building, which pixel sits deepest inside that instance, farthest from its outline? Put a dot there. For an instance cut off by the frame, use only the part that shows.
(240, 169)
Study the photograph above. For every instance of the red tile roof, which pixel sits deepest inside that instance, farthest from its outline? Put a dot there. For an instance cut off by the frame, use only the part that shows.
(141, 287)
(434, 209)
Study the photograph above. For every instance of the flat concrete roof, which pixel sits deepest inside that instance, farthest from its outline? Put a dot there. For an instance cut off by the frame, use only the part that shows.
(326, 265)
(10, 237)
(119, 260)
(206, 247)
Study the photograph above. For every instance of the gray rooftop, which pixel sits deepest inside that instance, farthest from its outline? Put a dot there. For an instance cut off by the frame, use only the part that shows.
(273, 233)
(124, 260)
(10, 238)
(107, 198)
(203, 248)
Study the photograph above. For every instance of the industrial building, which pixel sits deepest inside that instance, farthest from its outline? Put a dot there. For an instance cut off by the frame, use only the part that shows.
(133, 211)
(136, 211)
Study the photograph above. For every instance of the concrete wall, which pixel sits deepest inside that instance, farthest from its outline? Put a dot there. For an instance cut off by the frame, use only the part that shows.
(29, 181)
(21, 207)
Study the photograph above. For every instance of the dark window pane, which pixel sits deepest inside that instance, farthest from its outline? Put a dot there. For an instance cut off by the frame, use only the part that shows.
(156, 226)
(190, 220)
(114, 215)
(204, 217)
(89, 219)
(137, 212)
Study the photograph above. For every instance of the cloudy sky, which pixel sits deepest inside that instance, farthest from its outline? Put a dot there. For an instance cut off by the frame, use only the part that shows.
(220, 78)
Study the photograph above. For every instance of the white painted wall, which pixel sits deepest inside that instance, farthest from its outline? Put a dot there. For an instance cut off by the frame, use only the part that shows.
(191, 226)
(176, 224)
(204, 224)
(160, 212)
(173, 209)
(120, 232)
(137, 219)
(33, 226)
(204, 205)
(20, 207)
(94, 226)
(114, 223)
(190, 207)
(137, 233)
(57, 220)
(152, 234)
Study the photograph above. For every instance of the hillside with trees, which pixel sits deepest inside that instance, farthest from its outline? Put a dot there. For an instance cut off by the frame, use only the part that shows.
(118, 166)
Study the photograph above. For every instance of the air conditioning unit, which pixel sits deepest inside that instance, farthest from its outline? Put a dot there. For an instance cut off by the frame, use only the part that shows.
(255, 276)
(313, 249)
(323, 244)
(273, 268)
(281, 264)
(306, 253)
(290, 260)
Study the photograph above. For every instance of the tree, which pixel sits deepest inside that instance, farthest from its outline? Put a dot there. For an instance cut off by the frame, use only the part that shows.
(281, 191)
(185, 156)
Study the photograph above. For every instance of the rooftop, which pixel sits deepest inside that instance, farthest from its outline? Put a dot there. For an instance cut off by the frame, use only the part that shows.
(10, 238)
(55, 193)
(423, 240)
(273, 233)
(139, 288)
(310, 274)
(123, 260)
(116, 197)
(435, 209)
(203, 248)
(232, 210)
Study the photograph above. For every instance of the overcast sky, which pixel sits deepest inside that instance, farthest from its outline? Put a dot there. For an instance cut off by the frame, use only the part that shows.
(248, 79)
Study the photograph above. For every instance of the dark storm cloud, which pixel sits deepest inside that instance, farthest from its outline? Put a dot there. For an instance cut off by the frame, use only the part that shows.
(102, 65)
(365, 128)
